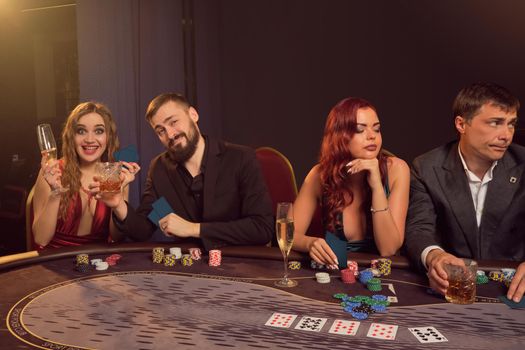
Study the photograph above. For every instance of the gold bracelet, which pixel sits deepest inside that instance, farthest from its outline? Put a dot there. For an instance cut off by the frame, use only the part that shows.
(378, 210)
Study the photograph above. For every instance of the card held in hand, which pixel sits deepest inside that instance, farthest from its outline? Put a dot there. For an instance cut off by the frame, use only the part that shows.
(338, 246)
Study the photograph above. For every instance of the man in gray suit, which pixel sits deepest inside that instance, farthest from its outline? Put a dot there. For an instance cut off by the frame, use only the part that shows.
(467, 198)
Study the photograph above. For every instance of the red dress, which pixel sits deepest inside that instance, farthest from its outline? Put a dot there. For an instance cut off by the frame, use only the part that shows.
(67, 230)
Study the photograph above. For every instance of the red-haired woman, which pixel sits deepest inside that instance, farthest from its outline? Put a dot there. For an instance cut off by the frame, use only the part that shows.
(362, 190)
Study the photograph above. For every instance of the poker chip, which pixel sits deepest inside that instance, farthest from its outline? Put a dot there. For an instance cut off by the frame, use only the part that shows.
(169, 260)
(82, 268)
(361, 306)
(497, 276)
(322, 277)
(158, 255)
(176, 251)
(95, 261)
(379, 308)
(365, 276)
(101, 266)
(480, 273)
(483, 279)
(359, 315)
(294, 265)
(195, 253)
(375, 272)
(508, 274)
(374, 285)
(214, 257)
(353, 266)
(340, 295)
(113, 259)
(316, 266)
(347, 276)
(384, 266)
(82, 259)
(186, 260)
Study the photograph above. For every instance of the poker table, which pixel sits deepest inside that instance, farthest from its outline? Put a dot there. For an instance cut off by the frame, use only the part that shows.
(137, 304)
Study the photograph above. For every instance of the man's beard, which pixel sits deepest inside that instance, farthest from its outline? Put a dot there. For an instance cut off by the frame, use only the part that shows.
(180, 153)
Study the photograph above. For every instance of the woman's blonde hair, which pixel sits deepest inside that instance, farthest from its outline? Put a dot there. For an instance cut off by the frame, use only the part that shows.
(71, 166)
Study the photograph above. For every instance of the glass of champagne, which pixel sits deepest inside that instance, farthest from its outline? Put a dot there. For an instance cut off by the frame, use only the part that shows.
(284, 229)
(48, 148)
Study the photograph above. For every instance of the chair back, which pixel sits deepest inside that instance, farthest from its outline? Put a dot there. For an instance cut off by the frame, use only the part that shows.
(278, 174)
(30, 241)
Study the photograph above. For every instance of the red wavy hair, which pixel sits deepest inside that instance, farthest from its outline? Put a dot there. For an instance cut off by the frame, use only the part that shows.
(335, 154)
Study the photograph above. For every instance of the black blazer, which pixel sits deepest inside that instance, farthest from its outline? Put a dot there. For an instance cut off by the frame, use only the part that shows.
(441, 210)
(236, 204)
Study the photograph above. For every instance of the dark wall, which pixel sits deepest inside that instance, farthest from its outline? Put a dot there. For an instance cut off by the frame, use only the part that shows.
(284, 64)
(17, 98)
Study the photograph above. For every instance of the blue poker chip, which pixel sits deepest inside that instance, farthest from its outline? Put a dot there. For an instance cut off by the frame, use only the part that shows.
(365, 276)
(350, 305)
(359, 315)
(379, 297)
(379, 308)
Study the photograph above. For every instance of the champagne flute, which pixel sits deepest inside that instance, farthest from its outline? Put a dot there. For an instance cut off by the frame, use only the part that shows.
(48, 147)
(284, 229)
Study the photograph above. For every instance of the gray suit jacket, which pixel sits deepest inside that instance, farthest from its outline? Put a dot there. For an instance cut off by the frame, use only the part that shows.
(441, 210)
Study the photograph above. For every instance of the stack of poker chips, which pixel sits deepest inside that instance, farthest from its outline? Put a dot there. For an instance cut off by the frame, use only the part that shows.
(187, 260)
(352, 265)
(508, 275)
(384, 266)
(214, 258)
(322, 277)
(176, 251)
(497, 276)
(348, 276)
(365, 276)
(113, 259)
(374, 284)
(360, 306)
(195, 253)
(158, 255)
(82, 263)
(481, 277)
(101, 266)
(169, 260)
(294, 265)
(316, 266)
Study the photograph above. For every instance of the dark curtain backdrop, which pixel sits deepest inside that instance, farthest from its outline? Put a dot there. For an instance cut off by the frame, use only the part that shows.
(267, 72)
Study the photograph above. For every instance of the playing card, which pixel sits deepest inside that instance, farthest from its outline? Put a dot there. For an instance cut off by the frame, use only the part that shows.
(154, 217)
(427, 335)
(311, 324)
(127, 154)
(511, 303)
(344, 327)
(392, 299)
(280, 320)
(162, 207)
(382, 331)
(390, 287)
(338, 246)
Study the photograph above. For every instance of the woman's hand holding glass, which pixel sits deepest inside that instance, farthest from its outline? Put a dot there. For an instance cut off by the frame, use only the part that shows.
(127, 175)
(52, 174)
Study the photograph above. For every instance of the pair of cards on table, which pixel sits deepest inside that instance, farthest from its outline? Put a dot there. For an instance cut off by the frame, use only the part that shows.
(161, 208)
(347, 327)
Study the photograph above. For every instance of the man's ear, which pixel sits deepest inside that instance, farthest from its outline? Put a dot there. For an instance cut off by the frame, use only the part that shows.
(460, 122)
(193, 114)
